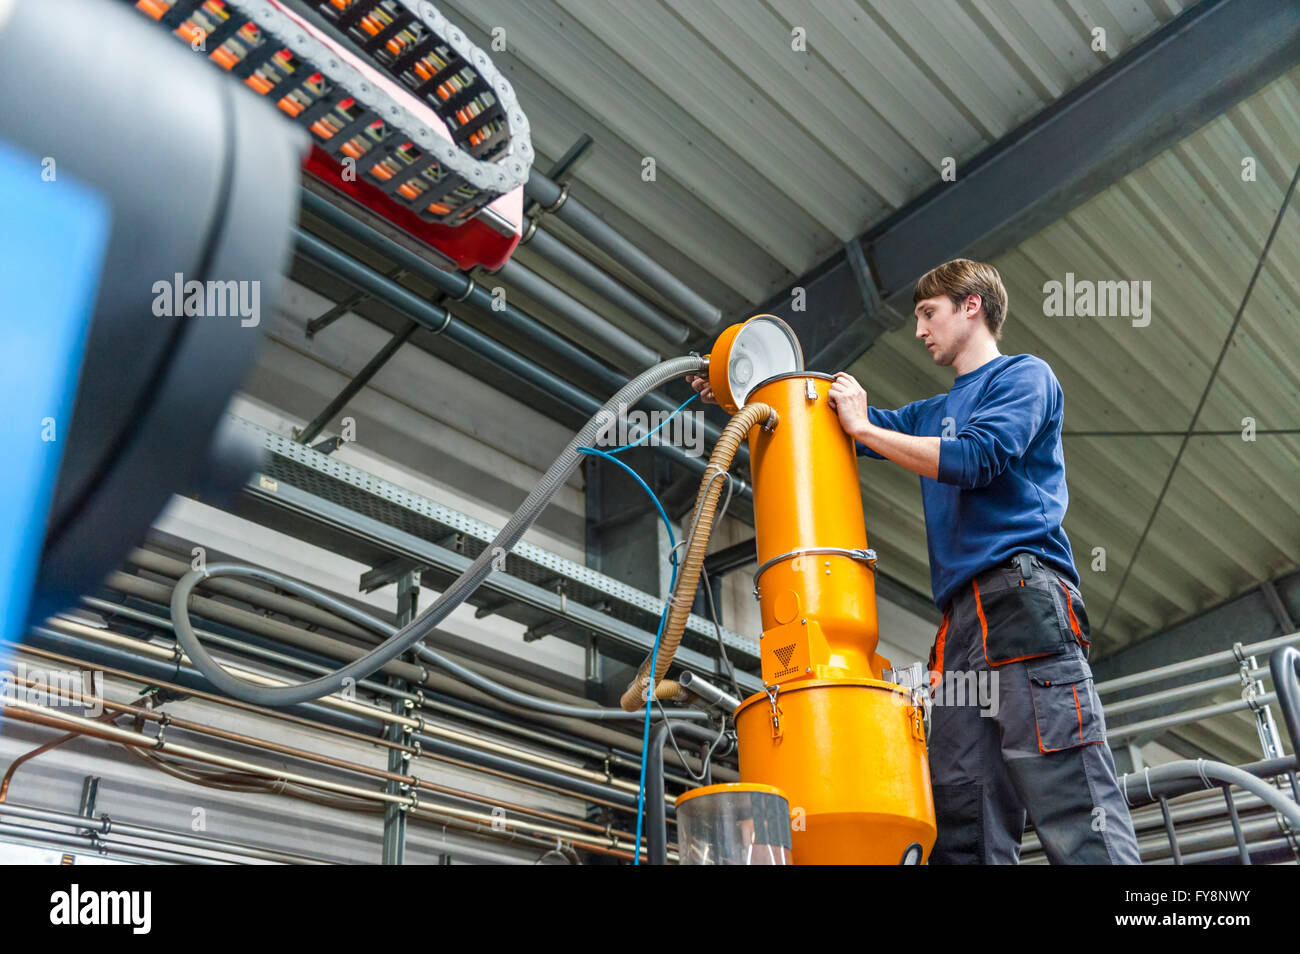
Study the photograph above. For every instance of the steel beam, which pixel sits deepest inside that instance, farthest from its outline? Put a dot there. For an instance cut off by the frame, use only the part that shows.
(1191, 70)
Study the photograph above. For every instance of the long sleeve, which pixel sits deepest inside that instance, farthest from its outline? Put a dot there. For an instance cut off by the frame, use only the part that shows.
(902, 420)
(1018, 403)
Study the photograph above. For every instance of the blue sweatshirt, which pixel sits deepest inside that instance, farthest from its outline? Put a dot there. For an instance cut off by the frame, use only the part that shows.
(1001, 486)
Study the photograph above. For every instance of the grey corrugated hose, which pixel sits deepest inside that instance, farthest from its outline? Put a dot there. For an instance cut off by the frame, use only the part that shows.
(465, 584)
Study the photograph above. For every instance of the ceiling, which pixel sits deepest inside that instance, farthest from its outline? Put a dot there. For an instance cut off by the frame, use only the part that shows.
(767, 159)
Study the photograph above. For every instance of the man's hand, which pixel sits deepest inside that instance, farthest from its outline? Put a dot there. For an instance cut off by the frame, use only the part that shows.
(849, 401)
(702, 388)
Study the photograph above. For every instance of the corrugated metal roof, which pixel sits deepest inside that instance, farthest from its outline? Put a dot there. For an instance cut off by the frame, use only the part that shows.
(1189, 225)
(767, 158)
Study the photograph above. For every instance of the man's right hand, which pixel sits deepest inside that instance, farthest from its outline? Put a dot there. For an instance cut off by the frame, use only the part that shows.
(702, 388)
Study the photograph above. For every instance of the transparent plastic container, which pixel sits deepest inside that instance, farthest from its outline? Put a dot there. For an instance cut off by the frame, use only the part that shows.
(737, 823)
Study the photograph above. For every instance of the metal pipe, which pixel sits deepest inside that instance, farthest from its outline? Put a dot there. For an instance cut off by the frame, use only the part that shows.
(175, 677)
(636, 354)
(1284, 663)
(109, 826)
(430, 731)
(42, 715)
(440, 320)
(1169, 829)
(1181, 718)
(85, 843)
(1191, 810)
(708, 693)
(1192, 665)
(1210, 838)
(1236, 824)
(1194, 846)
(429, 746)
(389, 775)
(455, 285)
(560, 255)
(1179, 692)
(459, 287)
(557, 201)
(402, 720)
(1166, 779)
(607, 737)
(656, 800)
(656, 822)
(1280, 849)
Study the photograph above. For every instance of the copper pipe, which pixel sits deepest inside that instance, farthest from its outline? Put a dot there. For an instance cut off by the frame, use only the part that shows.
(385, 715)
(319, 726)
(41, 715)
(375, 712)
(41, 750)
(142, 715)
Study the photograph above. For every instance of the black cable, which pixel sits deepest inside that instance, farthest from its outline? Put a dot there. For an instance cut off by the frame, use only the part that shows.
(717, 629)
(708, 756)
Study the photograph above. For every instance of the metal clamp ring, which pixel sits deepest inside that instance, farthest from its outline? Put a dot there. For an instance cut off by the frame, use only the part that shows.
(161, 739)
(867, 556)
(559, 200)
(469, 290)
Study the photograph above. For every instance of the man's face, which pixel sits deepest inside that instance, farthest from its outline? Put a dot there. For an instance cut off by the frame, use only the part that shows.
(945, 328)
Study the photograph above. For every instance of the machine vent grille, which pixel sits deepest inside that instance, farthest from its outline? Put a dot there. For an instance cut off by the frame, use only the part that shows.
(784, 653)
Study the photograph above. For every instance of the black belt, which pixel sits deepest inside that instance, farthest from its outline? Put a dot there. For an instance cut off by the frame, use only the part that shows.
(1024, 562)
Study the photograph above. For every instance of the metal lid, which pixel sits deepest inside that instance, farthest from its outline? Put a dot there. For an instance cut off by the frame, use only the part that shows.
(730, 788)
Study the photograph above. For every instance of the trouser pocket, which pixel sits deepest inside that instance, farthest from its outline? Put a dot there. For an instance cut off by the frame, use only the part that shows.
(1019, 622)
(1066, 709)
(1077, 616)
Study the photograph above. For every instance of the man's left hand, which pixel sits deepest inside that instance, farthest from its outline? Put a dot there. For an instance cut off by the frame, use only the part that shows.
(849, 400)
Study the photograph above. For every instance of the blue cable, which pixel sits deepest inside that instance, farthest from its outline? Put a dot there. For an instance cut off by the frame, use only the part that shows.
(644, 486)
(648, 434)
(663, 619)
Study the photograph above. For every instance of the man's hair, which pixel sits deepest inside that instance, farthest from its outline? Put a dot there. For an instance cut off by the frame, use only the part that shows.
(962, 277)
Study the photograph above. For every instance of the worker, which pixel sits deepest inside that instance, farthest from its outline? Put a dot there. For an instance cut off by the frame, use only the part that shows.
(993, 485)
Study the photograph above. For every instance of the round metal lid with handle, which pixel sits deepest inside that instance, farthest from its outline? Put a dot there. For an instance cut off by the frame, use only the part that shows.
(748, 353)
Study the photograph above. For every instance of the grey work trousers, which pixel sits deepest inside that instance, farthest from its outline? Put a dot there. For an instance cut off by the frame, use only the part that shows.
(1017, 727)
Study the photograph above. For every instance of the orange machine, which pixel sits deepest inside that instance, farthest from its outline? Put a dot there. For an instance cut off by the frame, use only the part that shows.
(845, 746)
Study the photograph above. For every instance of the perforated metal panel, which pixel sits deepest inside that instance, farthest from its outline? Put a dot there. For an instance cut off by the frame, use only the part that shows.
(368, 496)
